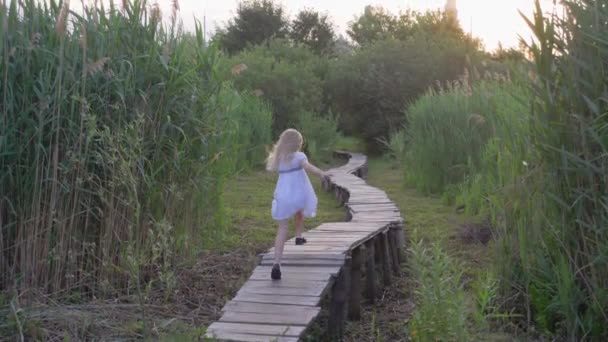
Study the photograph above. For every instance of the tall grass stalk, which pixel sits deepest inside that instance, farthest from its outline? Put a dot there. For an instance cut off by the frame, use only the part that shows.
(532, 155)
(116, 134)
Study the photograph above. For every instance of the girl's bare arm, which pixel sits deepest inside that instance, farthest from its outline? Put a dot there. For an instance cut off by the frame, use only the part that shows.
(313, 169)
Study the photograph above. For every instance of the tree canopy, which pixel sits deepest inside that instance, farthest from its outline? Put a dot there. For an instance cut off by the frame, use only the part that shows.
(314, 30)
(256, 21)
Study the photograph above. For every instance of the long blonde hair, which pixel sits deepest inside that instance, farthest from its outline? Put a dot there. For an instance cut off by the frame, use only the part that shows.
(289, 143)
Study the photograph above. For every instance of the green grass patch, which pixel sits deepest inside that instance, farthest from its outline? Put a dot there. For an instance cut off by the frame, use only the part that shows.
(247, 199)
(452, 280)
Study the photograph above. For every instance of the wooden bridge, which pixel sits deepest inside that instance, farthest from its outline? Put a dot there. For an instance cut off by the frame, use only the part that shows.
(332, 264)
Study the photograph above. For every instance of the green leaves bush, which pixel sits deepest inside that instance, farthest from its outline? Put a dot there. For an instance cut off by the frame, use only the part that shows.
(284, 75)
(370, 88)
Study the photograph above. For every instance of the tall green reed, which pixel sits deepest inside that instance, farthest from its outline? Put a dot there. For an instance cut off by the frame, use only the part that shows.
(541, 173)
(565, 276)
(116, 135)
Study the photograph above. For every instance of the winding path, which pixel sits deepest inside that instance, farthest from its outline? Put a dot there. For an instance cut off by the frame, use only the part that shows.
(331, 265)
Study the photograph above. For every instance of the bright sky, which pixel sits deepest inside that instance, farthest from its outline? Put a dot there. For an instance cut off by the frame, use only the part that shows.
(493, 21)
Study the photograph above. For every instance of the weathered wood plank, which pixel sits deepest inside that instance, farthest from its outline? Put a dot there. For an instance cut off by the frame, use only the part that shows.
(305, 291)
(311, 253)
(274, 299)
(230, 336)
(295, 318)
(257, 329)
(308, 262)
(248, 307)
(301, 269)
(285, 283)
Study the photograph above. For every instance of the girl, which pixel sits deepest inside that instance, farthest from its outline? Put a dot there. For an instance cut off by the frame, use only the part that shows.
(293, 195)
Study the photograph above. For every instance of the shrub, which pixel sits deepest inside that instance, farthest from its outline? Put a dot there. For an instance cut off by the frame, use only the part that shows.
(449, 130)
(285, 75)
(441, 312)
(320, 134)
(370, 88)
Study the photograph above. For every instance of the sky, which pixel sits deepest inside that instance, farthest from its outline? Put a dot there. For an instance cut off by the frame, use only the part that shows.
(493, 21)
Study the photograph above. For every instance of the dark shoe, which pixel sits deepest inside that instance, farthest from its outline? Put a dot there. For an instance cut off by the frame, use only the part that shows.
(300, 241)
(276, 272)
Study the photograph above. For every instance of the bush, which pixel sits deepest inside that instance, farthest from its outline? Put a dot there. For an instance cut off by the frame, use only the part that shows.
(450, 128)
(370, 88)
(320, 134)
(284, 75)
(441, 311)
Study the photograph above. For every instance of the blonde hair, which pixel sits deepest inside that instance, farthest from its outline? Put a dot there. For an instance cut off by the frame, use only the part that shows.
(289, 143)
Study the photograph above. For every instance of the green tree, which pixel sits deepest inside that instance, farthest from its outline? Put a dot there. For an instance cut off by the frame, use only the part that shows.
(256, 21)
(314, 30)
(374, 24)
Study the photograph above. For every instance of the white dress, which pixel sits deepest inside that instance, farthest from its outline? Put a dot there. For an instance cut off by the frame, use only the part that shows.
(293, 192)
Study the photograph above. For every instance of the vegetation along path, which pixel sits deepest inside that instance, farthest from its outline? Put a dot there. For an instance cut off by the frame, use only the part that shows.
(333, 262)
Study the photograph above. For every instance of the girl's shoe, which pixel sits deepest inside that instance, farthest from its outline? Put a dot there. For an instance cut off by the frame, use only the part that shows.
(300, 241)
(276, 272)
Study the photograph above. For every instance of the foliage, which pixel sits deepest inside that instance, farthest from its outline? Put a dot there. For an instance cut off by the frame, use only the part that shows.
(449, 128)
(256, 21)
(441, 313)
(320, 133)
(283, 74)
(313, 30)
(370, 88)
(374, 24)
(540, 175)
(115, 140)
(565, 276)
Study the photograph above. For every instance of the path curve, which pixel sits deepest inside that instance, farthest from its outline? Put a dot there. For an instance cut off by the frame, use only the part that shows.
(330, 263)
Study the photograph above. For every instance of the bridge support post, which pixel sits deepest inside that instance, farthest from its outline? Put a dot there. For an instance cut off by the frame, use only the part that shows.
(355, 285)
(401, 243)
(370, 272)
(392, 244)
(386, 259)
(338, 300)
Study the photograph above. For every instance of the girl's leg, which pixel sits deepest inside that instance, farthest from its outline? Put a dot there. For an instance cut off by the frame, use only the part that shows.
(279, 242)
(299, 224)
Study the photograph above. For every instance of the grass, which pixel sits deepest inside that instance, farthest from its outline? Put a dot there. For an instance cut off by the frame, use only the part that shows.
(247, 201)
(444, 241)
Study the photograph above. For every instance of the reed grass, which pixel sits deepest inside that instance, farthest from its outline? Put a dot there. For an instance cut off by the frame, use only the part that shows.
(116, 136)
(530, 153)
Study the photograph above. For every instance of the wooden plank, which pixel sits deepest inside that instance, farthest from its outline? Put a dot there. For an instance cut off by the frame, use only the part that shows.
(378, 207)
(282, 291)
(311, 252)
(286, 283)
(230, 336)
(308, 262)
(301, 269)
(262, 276)
(343, 225)
(236, 306)
(296, 318)
(275, 299)
(257, 329)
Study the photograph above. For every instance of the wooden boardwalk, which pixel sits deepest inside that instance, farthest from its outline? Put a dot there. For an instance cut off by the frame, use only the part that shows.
(331, 264)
